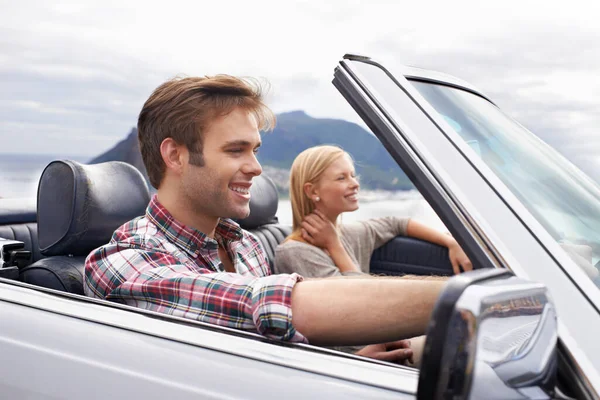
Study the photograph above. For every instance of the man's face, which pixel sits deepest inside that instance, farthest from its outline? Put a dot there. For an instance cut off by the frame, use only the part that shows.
(221, 187)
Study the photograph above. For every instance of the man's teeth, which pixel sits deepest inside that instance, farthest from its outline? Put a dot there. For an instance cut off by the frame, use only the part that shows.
(240, 190)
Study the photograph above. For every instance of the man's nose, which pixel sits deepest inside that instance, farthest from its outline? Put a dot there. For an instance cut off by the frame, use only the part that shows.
(354, 182)
(253, 167)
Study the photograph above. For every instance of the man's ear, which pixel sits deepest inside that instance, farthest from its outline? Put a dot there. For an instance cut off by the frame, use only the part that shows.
(310, 190)
(173, 155)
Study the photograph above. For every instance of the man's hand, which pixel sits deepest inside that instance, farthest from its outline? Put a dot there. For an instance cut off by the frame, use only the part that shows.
(319, 231)
(398, 352)
(458, 257)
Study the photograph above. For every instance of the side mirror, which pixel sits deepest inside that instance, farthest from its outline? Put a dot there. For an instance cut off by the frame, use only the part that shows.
(492, 335)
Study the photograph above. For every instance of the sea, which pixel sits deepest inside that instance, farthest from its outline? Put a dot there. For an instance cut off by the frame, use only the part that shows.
(20, 174)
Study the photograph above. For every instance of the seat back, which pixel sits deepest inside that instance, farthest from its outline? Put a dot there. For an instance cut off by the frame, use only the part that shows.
(78, 209)
(18, 222)
(262, 221)
(80, 206)
(26, 233)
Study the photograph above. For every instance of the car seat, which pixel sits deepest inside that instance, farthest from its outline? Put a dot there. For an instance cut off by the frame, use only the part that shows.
(78, 209)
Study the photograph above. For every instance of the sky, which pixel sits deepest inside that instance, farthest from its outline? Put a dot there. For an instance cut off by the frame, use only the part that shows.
(75, 74)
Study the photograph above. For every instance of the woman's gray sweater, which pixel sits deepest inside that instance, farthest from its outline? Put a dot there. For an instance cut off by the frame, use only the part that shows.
(359, 239)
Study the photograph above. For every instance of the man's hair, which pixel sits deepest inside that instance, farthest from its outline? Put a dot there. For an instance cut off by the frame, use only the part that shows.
(308, 167)
(184, 108)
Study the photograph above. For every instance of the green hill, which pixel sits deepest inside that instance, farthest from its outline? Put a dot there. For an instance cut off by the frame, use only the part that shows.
(295, 132)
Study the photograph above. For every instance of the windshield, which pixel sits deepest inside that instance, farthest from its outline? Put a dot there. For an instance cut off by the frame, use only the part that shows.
(564, 200)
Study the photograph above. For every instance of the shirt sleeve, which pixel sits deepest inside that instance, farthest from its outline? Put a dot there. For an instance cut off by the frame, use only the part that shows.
(156, 281)
(382, 230)
(306, 260)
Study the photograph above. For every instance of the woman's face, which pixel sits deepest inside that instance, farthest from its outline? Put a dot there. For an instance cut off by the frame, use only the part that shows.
(338, 188)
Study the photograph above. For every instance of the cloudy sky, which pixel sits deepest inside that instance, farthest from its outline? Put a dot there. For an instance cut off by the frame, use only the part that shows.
(74, 74)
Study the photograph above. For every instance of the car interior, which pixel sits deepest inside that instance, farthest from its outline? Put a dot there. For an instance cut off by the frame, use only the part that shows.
(80, 206)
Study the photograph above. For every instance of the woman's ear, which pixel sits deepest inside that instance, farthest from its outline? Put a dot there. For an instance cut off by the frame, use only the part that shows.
(310, 191)
(172, 155)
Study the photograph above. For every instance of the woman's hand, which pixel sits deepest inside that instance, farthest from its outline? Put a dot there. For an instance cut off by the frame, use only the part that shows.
(319, 231)
(458, 258)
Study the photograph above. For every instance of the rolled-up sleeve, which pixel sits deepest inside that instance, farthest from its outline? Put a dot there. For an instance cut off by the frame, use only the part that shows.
(157, 281)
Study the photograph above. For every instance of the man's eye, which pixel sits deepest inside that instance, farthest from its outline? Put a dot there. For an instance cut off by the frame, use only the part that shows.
(256, 150)
(235, 150)
(341, 178)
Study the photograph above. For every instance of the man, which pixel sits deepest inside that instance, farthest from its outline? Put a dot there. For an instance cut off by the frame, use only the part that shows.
(198, 138)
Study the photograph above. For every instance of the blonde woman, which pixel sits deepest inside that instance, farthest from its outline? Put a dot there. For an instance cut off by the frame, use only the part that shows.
(323, 185)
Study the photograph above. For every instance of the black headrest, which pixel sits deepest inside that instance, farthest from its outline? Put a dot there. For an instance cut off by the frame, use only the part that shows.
(80, 206)
(263, 203)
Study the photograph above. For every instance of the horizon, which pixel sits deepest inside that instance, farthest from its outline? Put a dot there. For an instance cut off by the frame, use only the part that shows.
(135, 127)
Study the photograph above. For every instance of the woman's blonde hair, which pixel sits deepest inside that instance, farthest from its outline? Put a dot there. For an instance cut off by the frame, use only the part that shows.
(308, 167)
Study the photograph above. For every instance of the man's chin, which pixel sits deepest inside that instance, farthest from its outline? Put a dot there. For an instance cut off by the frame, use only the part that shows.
(240, 213)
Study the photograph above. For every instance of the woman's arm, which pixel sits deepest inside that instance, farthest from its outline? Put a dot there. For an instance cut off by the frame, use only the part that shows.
(340, 257)
(456, 254)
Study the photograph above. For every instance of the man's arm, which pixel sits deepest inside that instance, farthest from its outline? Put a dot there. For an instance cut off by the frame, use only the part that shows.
(157, 281)
(324, 311)
(363, 311)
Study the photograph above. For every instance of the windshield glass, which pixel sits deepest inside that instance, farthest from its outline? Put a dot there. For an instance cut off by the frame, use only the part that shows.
(564, 200)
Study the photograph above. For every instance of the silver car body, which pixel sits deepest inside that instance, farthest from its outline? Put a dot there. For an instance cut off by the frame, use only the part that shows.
(60, 345)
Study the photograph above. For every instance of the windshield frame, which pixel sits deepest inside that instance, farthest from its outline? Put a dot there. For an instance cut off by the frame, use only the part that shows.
(435, 156)
(587, 288)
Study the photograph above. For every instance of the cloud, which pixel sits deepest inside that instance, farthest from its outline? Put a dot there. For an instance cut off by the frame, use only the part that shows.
(78, 71)
(544, 78)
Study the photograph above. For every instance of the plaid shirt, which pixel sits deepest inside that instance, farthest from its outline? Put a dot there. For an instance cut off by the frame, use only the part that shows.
(156, 263)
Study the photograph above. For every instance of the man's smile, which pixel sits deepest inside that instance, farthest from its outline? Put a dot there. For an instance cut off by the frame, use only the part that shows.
(240, 189)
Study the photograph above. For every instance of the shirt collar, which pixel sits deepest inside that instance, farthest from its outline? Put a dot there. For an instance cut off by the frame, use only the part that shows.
(189, 239)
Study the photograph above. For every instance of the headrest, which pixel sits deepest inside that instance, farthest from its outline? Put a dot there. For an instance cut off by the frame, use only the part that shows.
(263, 203)
(80, 206)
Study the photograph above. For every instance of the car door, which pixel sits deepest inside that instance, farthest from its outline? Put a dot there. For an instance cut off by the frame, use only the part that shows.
(57, 345)
(490, 221)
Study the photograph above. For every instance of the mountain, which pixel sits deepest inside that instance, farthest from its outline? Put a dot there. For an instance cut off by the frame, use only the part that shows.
(295, 132)
(127, 150)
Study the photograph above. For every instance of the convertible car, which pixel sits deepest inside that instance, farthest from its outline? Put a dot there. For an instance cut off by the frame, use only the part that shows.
(524, 324)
